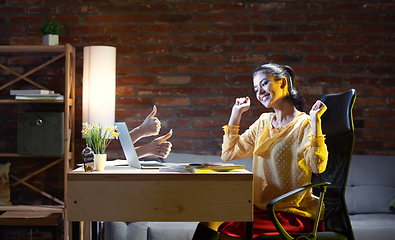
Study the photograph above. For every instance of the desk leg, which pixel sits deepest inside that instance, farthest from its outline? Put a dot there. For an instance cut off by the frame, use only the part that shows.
(249, 230)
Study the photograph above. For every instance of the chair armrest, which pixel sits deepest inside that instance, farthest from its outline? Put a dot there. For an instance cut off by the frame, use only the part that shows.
(270, 206)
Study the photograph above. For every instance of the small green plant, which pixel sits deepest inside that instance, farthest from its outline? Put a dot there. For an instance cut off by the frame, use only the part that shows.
(51, 27)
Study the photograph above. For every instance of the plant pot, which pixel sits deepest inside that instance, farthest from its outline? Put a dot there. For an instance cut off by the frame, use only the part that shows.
(100, 161)
(50, 39)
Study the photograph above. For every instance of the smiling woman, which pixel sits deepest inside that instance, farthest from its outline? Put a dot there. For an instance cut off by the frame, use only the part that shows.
(287, 146)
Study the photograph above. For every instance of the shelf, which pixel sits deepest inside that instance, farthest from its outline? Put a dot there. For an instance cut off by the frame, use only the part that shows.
(32, 48)
(2, 101)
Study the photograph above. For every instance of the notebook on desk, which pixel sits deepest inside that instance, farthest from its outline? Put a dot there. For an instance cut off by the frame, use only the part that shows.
(130, 152)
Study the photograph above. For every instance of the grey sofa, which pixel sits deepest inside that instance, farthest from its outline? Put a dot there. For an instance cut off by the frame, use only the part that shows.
(370, 189)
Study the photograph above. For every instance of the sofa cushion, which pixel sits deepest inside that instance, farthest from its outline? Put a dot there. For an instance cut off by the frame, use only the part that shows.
(373, 226)
(370, 184)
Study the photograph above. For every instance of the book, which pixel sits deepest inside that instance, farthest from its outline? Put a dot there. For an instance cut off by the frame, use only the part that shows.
(213, 167)
(27, 97)
(31, 91)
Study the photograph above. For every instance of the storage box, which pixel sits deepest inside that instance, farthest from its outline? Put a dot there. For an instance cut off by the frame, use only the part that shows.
(40, 133)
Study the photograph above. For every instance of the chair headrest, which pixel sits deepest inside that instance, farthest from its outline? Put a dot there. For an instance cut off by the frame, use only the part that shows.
(337, 119)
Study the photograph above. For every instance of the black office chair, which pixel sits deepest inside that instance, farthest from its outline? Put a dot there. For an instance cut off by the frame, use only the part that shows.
(337, 125)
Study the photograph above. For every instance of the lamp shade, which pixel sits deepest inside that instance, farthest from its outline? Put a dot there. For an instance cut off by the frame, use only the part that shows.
(99, 83)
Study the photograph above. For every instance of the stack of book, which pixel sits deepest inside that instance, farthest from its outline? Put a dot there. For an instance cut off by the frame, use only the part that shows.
(36, 94)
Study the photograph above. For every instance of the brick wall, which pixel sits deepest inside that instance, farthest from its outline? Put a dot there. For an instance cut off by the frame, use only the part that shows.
(193, 58)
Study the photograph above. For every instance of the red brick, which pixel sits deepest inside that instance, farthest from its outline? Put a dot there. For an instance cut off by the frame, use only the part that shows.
(347, 28)
(178, 123)
(211, 38)
(11, 10)
(175, 38)
(342, 7)
(193, 7)
(121, 70)
(179, 80)
(25, 20)
(328, 80)
(161, 113)
(365, 144)
(380, 112)
(193, 49)
(346, 69)
(299, 69)
(125, 91)
(230, 48)
(155, 91)
(174, 18)
(308, 6)
(232, 27)
(388, 81)
(344, 48)
(119, 29)
(172, 59)
(172, 101)
(370, 101)
(242, 17)
(387, 59)
(134, 81)
(359, 59)
(100, 19)
(234, 69)
(157, 69)
(210, 101)
(381, 70)
(390, 102)
(187, 133)
(208, 123)
(233, 91)
(315, 28)
(182, 144)
(210, 59)
(210, 17)
(289, 17)
(134, 59)
(324, 17)
(389, 18)
(269, 48)
(154, 7)
(379, 134)
(361, 81)
(242, 79)
(194, 28)
(138, 38)
(379, 49)
(138, 18)
(381, 91)
(286, 38)
(12, 30)
(193, 112)
(99, 39)
(26, 41)
(389, 144)
(324, 38)
(154, 49)
(249, 38)
(156, 28)
(81, 9)
(355, 38)
(125, 49)
(193, 91)
(268, 6)
(390, 124)
(361, 17)
(380, 29)
(123, 101)
(248, 58)
(322, 58)
(210, 79)
(195, 69)
(228, 6)
(307, 48)
(83, 29)
(379, 7)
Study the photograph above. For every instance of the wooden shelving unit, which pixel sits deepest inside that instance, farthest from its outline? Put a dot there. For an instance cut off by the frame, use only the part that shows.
(68, 53)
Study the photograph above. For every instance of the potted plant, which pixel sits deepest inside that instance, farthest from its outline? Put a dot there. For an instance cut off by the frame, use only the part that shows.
(51, 30)
(98, 138)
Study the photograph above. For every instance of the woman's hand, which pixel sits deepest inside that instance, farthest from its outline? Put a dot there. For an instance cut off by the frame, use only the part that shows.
(159, 147)
(241, 105)
(150, 127)
(315, 114)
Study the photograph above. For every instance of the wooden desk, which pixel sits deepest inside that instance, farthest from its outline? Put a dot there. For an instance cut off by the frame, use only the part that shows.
(127, 194)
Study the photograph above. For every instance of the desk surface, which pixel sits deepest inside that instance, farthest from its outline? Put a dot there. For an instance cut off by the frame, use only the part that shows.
(121, 193)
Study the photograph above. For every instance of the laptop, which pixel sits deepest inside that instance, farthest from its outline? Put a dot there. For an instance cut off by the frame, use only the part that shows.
(130, 152)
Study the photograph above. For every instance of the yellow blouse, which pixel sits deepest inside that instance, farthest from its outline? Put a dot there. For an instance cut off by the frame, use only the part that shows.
(283, 160)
